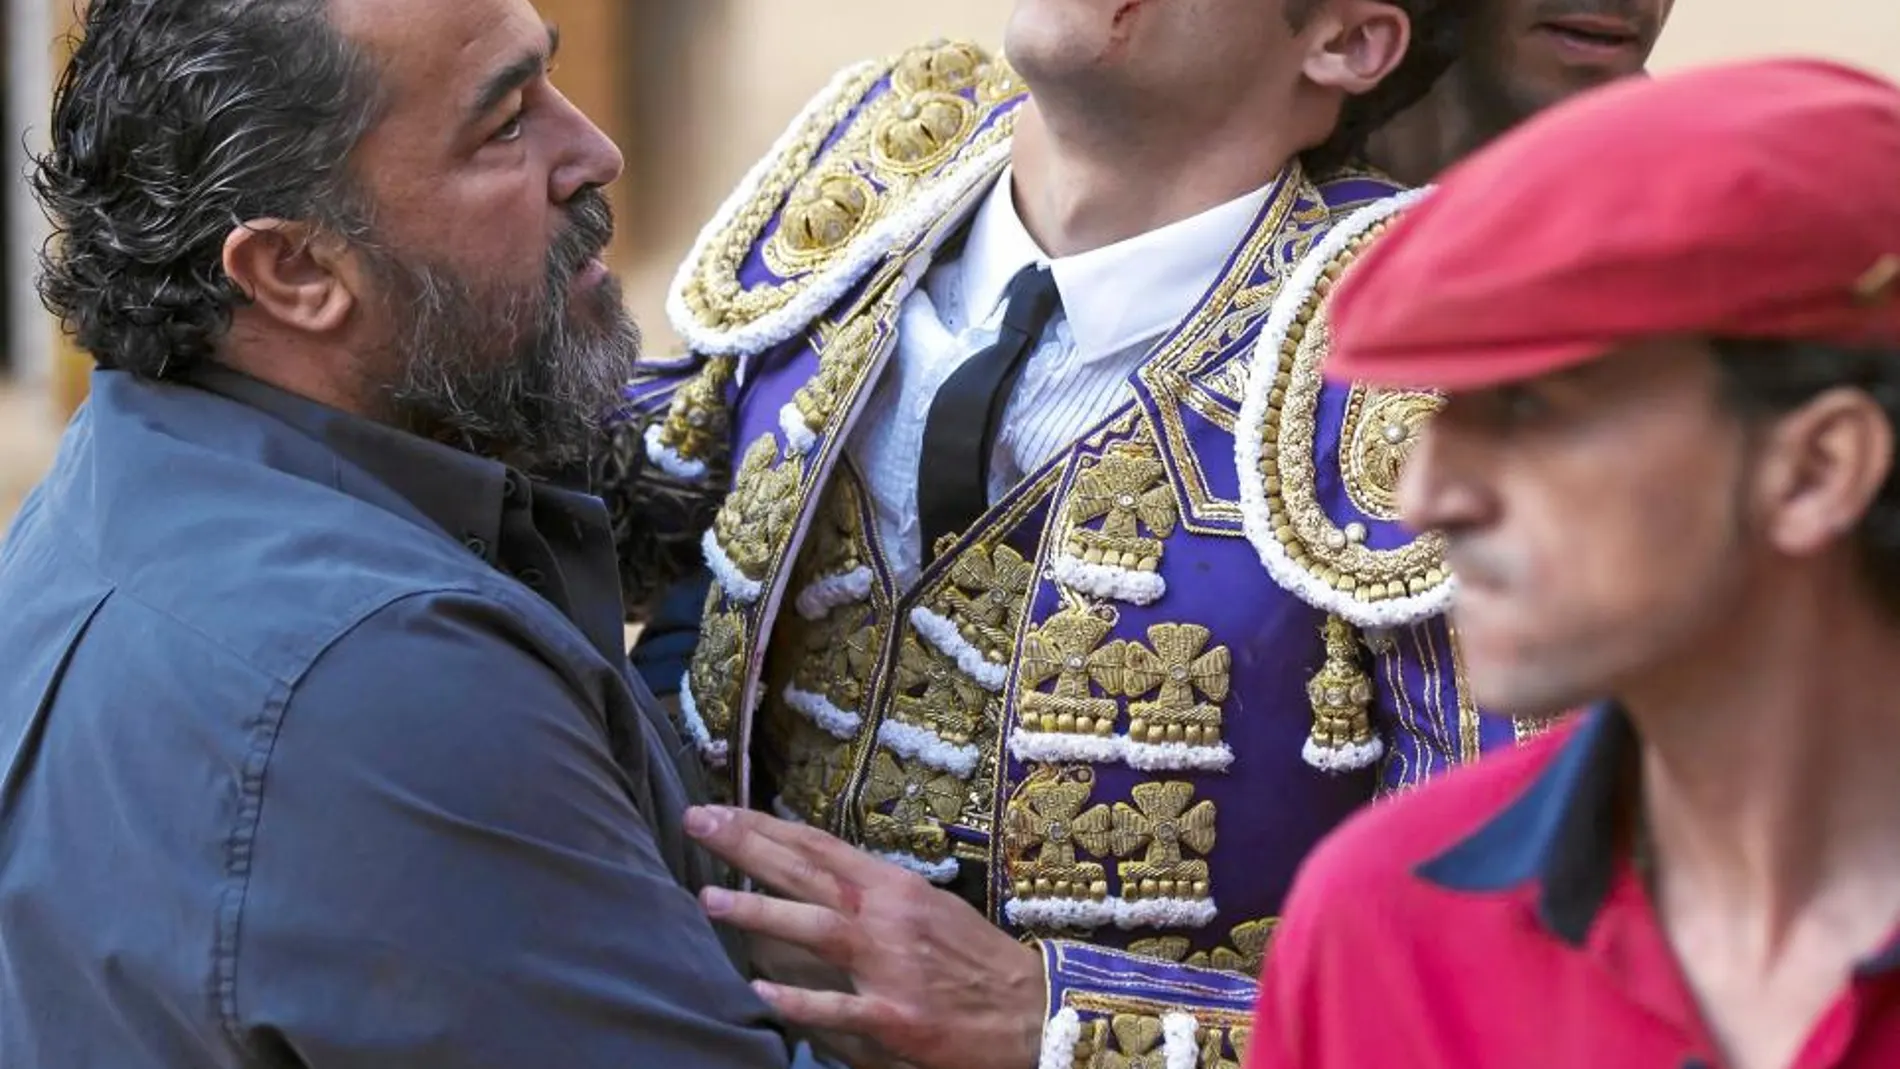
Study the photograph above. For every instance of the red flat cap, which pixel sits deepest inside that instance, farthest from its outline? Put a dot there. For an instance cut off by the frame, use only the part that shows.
(1750, 200)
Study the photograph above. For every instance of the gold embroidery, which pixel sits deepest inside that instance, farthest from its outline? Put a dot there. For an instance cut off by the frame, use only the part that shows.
(1213, 1055)
(923, 799)
(1340, 692)
(1166, 947)
(839, 656)
(715, 672)
(1336, 556)
(713, 294)
(827, 209)
(1246, 952)
(1042, 827)
(1382, 428)
(1137, 1043)
(843, 353)
(837, 543)
(1127, 489)
(898, 141)
(991, 587)
(1068, 649)
(1181, 666)
(933, 691)
(1161, 821)
(942, 67)
(756, 520)
(924, 131)
(816, 764)
(1296, 218)
(697, 420)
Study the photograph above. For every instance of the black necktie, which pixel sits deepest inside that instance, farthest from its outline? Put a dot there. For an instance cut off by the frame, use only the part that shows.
(953, 475)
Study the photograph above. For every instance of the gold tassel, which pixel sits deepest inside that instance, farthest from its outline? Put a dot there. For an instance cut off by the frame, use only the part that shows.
(1342, 739)
(696, 422)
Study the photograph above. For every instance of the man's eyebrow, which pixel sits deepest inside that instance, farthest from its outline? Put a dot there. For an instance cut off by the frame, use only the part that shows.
(515, 75)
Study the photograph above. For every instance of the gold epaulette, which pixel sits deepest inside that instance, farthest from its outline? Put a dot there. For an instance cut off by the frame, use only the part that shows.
(1320, 547)
(878, 156)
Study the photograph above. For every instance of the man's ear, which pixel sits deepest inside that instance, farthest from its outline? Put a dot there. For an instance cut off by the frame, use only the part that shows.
(1352, 45)
(1823, 465)
(300, 275)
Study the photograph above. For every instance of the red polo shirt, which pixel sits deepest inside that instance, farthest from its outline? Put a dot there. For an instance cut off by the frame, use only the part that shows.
(1490, 920)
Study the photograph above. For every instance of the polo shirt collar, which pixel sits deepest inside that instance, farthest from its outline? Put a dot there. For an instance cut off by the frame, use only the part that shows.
(1560, 834)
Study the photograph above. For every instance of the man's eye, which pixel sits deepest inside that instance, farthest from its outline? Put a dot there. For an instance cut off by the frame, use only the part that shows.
(1519, 405)
(510, 130)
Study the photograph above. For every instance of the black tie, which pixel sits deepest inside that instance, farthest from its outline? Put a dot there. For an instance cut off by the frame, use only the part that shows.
(953, 475)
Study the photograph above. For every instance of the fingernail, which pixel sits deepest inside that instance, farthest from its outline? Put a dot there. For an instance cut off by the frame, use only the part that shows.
(702, 821)
(717, 900)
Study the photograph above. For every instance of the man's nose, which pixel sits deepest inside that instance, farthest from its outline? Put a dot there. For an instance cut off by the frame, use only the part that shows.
(1434, 493)
(591, 159)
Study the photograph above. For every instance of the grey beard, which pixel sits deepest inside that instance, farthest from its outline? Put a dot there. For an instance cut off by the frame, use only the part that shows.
(513, 376)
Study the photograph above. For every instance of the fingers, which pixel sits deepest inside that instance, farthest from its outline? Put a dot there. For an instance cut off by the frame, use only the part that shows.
(740, 839)
(793, 859)
(820, 931)
(836, 1011)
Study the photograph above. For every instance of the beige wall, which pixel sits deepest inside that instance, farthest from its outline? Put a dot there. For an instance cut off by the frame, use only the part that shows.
(1864, 31)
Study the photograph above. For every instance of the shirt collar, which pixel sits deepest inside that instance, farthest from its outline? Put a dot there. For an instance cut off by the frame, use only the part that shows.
(1561, 834)
(1117, 295)
(459, 492)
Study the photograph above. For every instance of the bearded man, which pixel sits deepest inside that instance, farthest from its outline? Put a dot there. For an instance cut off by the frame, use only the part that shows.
(317, 740)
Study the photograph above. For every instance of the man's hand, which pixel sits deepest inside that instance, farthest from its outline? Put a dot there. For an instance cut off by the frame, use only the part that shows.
(934, 983)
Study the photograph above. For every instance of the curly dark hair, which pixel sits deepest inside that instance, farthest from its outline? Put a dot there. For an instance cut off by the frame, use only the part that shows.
(174, 123)
(1439, 29)
(1763, 379)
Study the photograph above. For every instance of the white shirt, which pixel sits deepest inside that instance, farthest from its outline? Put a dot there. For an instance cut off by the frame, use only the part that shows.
(1117, 302)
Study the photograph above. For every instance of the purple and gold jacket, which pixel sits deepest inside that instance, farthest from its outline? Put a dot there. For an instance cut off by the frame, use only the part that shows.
(1118, 711)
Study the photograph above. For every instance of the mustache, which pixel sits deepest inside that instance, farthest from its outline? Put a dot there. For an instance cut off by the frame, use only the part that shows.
(1637, 13)
(590, 229)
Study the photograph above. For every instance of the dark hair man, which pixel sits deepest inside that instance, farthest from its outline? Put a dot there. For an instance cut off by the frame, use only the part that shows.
(1519, 57)
(1667, 321)
(317, 741)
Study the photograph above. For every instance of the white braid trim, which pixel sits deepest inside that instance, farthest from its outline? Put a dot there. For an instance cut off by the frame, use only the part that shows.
(1059, 913)
(1109, 581)
(823, 595)
(737, 585)
(1262, 372)
(935, 871)
(928, 748)
(940, 632)
(1061, 1034)
(1180, 1045)
(1165, 913)
(1342, 758)
(1177, 757)
(1122, 913)
(822, 288)
(714, 752)
(1054, 747)
(840, 724)
(669, 460)
(1049, 747)
(799, 437)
